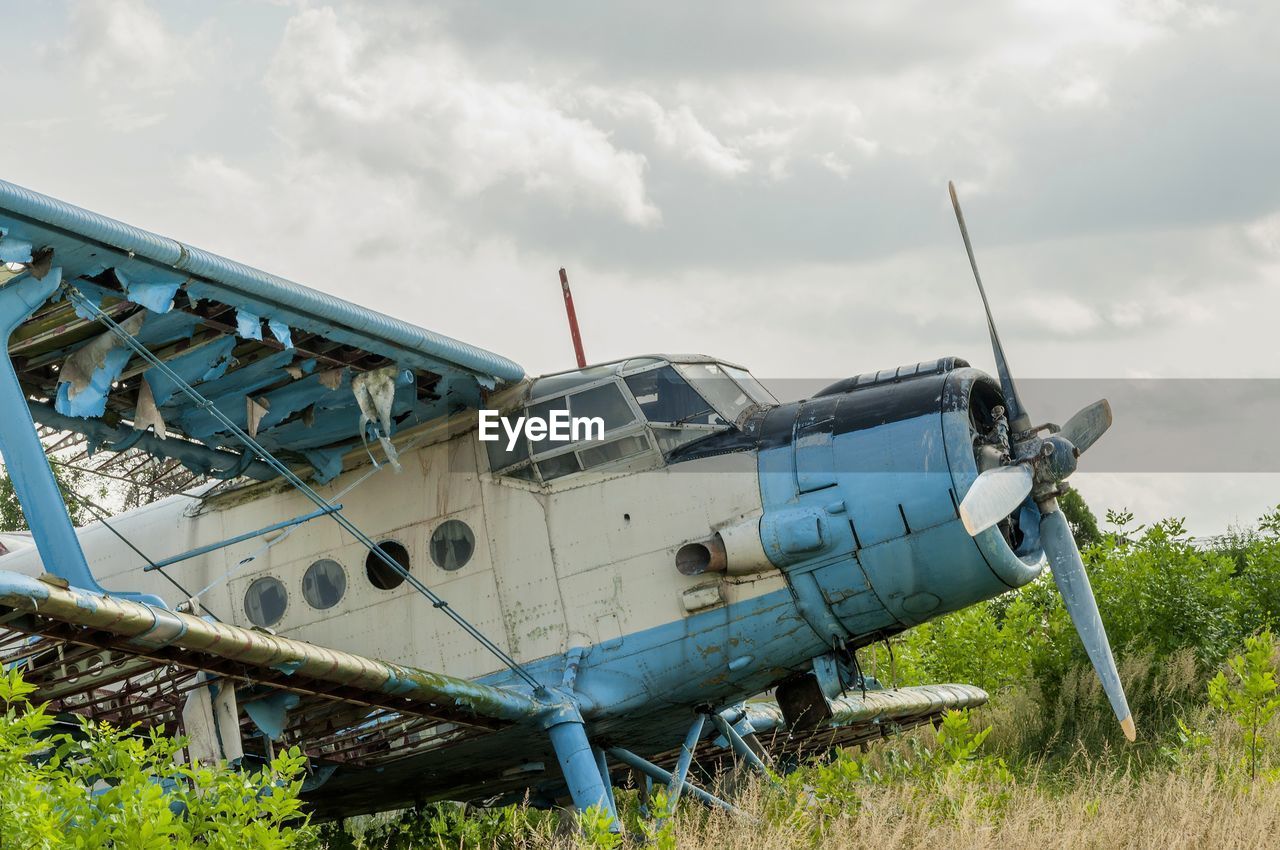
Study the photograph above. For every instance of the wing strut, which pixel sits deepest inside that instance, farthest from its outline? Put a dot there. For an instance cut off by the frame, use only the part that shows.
(29, 469)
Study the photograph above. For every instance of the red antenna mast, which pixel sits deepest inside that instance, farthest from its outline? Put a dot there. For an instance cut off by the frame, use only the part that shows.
(573, 319)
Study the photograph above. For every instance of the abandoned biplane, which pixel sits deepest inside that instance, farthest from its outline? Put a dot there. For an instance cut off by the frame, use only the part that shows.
(430, 616)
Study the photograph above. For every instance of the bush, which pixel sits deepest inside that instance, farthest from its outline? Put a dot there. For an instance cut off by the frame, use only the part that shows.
(100, 788)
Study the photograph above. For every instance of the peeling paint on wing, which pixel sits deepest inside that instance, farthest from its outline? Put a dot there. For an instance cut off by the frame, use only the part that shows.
(168, 327)
(327, 464)
(331, 378)
(281, 332)
(156, 296)
(288, 667)
(13, 250)
(227, 392)
(291, 399)
(271, 713)
(375, 392)
(91, 294)
(248, 325)
(255, 409)
(205, 363)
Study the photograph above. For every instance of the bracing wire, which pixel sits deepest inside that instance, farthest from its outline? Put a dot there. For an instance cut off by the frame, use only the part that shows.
(102, 515)
(79, 299)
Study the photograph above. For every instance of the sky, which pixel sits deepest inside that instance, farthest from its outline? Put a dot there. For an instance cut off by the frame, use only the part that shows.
(764, 182)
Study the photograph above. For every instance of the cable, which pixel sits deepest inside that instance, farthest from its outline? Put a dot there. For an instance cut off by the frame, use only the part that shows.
(290, 530)
(101, 514)
(78, 298)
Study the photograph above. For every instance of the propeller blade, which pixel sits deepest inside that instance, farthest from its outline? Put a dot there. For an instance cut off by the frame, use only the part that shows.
(1013, 404)
(1084, 429)
(1077, 595)
(994, 495)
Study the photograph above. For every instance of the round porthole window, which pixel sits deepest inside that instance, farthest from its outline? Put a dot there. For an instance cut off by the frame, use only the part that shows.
(324, 583)
(452, 544)
(265, 601)
(381, 575)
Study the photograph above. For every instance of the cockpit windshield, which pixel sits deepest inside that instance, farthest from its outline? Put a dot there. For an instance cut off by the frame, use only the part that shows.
(665, 398)
(713, 384)
(754, 388)
(646, 407)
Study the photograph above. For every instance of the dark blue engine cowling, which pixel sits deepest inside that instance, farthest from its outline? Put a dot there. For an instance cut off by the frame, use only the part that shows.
(860, 488)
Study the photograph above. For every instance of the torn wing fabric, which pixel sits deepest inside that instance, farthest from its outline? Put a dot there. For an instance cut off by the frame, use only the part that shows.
(255, 409)
(146, 414)
(281, 332)
(87, 374)
(248, 325)
(331, 379)
(156, 296)
(375, 392)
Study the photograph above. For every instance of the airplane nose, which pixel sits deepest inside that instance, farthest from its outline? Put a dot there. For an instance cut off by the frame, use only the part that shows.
(862, 499)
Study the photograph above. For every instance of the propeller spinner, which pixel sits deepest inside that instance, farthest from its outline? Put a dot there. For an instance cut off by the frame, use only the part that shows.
(1036, 466)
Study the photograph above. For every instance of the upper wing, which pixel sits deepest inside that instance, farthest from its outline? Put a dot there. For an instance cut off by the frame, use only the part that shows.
(278, 358)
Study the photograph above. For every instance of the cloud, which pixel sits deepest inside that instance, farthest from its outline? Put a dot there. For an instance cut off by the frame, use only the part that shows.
(1264, 234)
(411, 103)
(760, 181)
(126, 44)
(677, 132)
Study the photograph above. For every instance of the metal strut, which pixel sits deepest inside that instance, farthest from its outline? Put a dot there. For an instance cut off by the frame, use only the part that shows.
(239, 538)
(29, 470)
(651, 770)
(678, 781)
(738, 744)
(79, 299)
(584, 774)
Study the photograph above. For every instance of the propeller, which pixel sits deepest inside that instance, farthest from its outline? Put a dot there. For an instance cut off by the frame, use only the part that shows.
(994, 495)
(1034, 466)
(1077, 595)
(1084, 429)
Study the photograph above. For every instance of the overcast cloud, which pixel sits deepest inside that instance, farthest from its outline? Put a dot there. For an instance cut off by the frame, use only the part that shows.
(764, 182)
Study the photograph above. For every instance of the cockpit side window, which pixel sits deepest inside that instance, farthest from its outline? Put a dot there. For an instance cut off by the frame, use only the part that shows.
(543, 410)
(556, 458)
(605, 402)
(500, 458)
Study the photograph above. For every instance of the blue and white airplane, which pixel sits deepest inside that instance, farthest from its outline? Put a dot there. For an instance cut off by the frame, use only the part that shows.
(429, 615)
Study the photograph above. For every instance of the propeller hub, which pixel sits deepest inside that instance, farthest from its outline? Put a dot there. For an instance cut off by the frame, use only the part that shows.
(1057, 458)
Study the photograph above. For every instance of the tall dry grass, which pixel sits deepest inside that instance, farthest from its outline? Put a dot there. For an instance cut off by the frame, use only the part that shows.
(1169, 810)
(1071, 783)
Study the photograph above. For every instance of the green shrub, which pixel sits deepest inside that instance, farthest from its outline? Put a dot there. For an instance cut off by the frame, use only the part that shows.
(101, 788)
(1248, 695)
